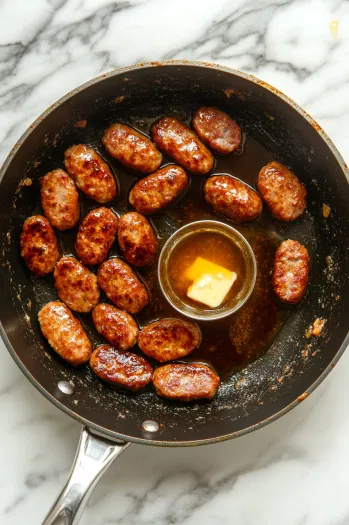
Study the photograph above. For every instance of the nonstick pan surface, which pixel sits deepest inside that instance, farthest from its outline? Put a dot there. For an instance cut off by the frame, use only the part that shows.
(254, 390)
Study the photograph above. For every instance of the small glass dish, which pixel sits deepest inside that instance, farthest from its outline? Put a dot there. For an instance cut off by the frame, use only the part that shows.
(201, 312)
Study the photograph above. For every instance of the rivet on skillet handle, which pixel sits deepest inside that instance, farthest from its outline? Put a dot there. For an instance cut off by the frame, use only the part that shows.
(94, 455)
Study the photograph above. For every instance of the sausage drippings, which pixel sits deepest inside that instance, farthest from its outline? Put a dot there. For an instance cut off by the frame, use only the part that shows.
(213, 247)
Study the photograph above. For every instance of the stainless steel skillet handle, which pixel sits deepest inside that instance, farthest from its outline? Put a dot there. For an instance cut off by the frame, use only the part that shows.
(94, 455)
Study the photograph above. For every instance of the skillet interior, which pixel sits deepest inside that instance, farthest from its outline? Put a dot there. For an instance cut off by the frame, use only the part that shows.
(290, 367)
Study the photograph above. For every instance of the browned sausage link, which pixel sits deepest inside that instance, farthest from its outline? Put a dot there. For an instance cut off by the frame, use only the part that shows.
(122, 285)
(281, 189)
(39, 245)
(186, 381)
(133, 149)
(76, 285)
(65, 333)
(232, 198)
(169, 339)
(96, 235)
(60, 199)
(291, 271)
(137, 239)
(116, 326)
(216, 129)
(90, 172)
(121, 368)
(181, 144)
(158, 190)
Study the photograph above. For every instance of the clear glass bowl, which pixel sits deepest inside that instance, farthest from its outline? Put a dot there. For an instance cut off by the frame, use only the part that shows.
(202, 313)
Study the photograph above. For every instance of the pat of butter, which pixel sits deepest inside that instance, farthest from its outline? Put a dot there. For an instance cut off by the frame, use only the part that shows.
(201, 266)
(211, 289)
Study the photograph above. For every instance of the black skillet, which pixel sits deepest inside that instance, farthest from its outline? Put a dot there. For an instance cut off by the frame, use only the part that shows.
(266, 372)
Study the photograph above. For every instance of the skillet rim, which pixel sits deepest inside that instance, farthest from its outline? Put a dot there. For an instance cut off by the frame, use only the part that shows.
(123, 437)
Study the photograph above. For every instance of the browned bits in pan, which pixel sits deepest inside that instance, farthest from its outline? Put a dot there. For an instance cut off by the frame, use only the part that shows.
(232, 198)
(90, 173)
(326, 211)
(133, 149)
(158, 190)
(76, 285)
(291, 271)
(60, 199)
(186, 381)
(282, 191)
(217, 130)
(116, 326)
(137, 239)
(39, 245)
(96, 235)
(318, 326)
(65, 333)
(122, 285)
(181, 144)
(169, 339)
(123, 369)
(80, 124)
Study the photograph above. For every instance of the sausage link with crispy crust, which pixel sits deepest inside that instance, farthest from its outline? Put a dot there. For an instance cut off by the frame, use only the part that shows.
(181, 144)
(116, 326)
(76, 285)
(185, 381)
(96, 235)
(169, 339)
(123, 369)
(283, 192)
(122, 285)
(60, 199)
(39, 246)
(133, 149)
(232, 198)
(217, 130)
(90, 173)
(158, 190)
(137, 239)
(291, 271)
(65, 333)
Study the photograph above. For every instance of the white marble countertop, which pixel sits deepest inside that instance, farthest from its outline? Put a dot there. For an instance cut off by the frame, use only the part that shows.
(293, 472)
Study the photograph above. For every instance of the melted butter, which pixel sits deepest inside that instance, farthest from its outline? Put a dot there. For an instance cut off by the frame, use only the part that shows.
(206, 269)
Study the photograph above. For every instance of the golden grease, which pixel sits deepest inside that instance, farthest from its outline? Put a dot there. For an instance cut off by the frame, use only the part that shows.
(212, 246)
